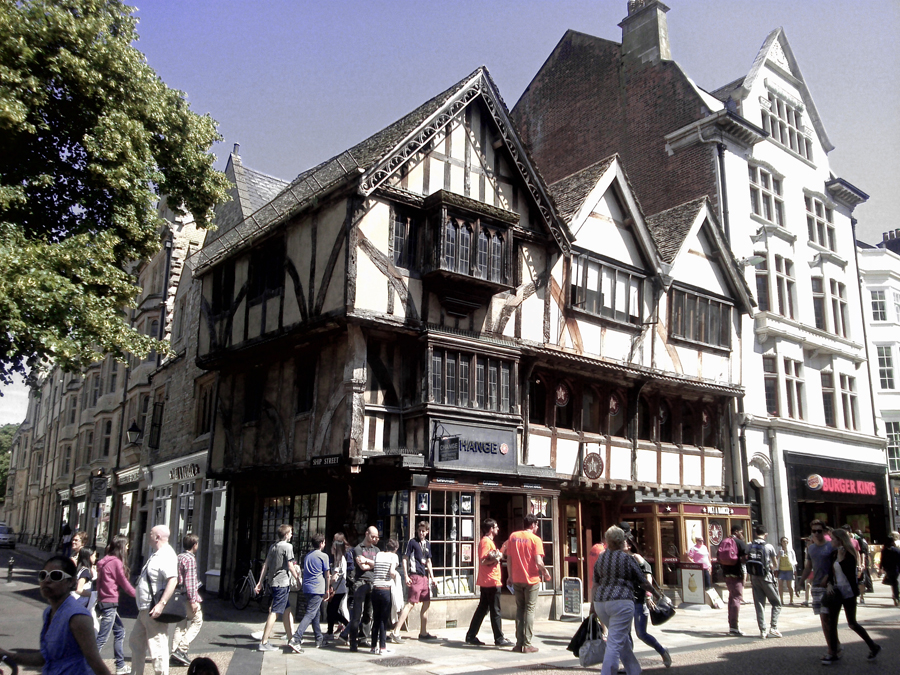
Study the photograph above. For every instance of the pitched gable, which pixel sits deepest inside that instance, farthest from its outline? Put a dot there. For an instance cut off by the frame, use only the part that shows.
(372, 163)
(600, 207)
(776, 56)
(689, 233)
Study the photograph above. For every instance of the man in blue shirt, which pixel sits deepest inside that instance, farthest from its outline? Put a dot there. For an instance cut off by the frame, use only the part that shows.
(316, 589)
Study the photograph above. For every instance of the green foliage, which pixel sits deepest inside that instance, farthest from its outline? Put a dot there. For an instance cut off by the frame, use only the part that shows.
(90, 136)
(6, 434)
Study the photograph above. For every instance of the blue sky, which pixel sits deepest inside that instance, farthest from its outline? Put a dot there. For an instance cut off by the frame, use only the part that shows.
(298, 81)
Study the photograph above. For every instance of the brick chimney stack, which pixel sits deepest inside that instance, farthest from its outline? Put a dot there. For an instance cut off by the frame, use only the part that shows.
(645, 33)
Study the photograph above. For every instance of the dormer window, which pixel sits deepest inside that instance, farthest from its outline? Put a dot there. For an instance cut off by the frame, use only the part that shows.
(784, 123)
(607, 290)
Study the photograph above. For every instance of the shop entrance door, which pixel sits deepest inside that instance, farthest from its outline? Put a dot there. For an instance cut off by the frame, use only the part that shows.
(499, 506)
(670, 547)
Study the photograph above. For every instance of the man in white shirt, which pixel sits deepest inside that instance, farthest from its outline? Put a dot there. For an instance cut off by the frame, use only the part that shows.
(159, 572)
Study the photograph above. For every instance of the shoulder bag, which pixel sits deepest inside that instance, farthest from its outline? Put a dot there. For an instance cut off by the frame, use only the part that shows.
(661, 610)
(594, 648)
(175, 609)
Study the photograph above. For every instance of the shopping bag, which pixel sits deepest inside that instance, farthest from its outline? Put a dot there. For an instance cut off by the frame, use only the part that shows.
(594, 648)
(662, 609)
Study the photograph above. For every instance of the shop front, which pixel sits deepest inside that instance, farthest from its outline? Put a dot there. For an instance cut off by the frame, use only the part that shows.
(837, 492)
(185, 500)
(665, 531)
(895, 502)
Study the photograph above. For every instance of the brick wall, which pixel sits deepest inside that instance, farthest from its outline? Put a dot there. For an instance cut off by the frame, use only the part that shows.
(584, 105)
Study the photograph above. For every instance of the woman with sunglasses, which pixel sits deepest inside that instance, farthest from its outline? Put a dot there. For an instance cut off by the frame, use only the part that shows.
(68, 646)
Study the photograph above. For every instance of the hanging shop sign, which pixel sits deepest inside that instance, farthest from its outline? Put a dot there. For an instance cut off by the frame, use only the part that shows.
(562, 395)
(98, 489)
(592, 465)
(448, 449)
(465, 446)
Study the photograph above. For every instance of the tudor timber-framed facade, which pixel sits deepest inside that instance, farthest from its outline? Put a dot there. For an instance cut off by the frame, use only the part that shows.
(415, 289)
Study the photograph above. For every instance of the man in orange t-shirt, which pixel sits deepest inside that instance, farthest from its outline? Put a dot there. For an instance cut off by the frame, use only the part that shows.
(489, 586)
(525, 552)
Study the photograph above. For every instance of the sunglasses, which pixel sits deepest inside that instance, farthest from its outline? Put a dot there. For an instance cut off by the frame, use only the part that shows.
(817, 531)
(55, 575)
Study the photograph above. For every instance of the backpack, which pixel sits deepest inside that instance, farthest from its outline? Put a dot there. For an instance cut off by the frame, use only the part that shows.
(728, 552)
(757, 560)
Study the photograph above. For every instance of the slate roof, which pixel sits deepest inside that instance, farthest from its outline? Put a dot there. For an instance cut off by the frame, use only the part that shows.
(351, 164)
(670, 227)
(723, 92)
(322, 178)
(570, 192)
(250, 191)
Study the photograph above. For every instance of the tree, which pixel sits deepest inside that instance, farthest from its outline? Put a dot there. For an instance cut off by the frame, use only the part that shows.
(6, 435)
(90, 137)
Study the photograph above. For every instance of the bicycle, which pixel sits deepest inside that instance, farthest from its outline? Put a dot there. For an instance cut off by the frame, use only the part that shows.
(245, 589)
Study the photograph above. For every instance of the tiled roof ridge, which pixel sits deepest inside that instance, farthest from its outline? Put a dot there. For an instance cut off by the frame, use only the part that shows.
(606, 160)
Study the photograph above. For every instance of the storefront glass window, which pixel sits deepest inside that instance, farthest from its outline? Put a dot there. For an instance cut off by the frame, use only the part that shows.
(185, 512)
(125, 504)
(451, 519)
(671, 550)
(393, 517)
(161, 500)
(542, 507)
(103, 524)
(275, 511)
(309, 518)
(216, 498)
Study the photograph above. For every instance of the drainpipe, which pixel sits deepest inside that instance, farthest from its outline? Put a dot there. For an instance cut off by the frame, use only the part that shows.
(165, 297)
(853, 222)
(720, 147)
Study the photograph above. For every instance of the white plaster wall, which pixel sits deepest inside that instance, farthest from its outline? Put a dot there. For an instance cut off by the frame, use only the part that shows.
(646, 466)
(538, 450)
(620, 463)
(566, 456)
(713, 471)
(671, 468)
(692, 464)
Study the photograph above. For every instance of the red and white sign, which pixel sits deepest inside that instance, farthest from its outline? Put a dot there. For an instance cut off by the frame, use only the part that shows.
(846, 486)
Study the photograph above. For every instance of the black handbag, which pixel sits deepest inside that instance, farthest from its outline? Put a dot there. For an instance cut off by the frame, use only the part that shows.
(661, 610)
(175, 609)
(583, 633)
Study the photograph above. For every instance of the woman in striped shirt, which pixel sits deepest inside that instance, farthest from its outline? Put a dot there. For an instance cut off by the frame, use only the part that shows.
(386, 563)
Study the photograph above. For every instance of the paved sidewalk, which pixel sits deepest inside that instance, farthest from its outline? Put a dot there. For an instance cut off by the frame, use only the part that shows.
(690, 630)
(230, 637)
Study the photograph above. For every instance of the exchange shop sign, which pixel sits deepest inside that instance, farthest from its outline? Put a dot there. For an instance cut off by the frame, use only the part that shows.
(465, 446)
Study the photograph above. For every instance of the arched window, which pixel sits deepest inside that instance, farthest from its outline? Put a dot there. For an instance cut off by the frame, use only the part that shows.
(665, 423)
(496, 259)
(450, 246)
(688, 426)
(537, 400)
(616, 415)
(465, 246)
(481, 266)
(645, 419)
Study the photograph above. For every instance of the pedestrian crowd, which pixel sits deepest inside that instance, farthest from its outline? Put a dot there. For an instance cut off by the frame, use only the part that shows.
(367, 592)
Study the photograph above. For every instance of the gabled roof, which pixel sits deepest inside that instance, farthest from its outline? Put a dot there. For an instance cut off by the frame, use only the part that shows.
(372, 162)
(673, 228)
(250, 191)
(570, 192)
(577, 195)
(777, 50)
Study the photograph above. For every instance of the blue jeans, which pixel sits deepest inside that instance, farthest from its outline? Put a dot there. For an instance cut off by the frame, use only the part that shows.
(641, 615)
(617, 615)
(109, 618)
(313, 605)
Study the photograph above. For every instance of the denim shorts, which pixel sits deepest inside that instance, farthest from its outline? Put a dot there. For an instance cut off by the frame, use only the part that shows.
(786, 575)
(280, 597)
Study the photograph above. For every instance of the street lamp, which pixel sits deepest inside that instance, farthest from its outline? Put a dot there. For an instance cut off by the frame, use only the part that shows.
(133, 432)
(751, 260)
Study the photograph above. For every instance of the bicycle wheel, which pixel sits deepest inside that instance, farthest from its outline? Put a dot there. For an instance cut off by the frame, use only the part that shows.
(240, 595)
